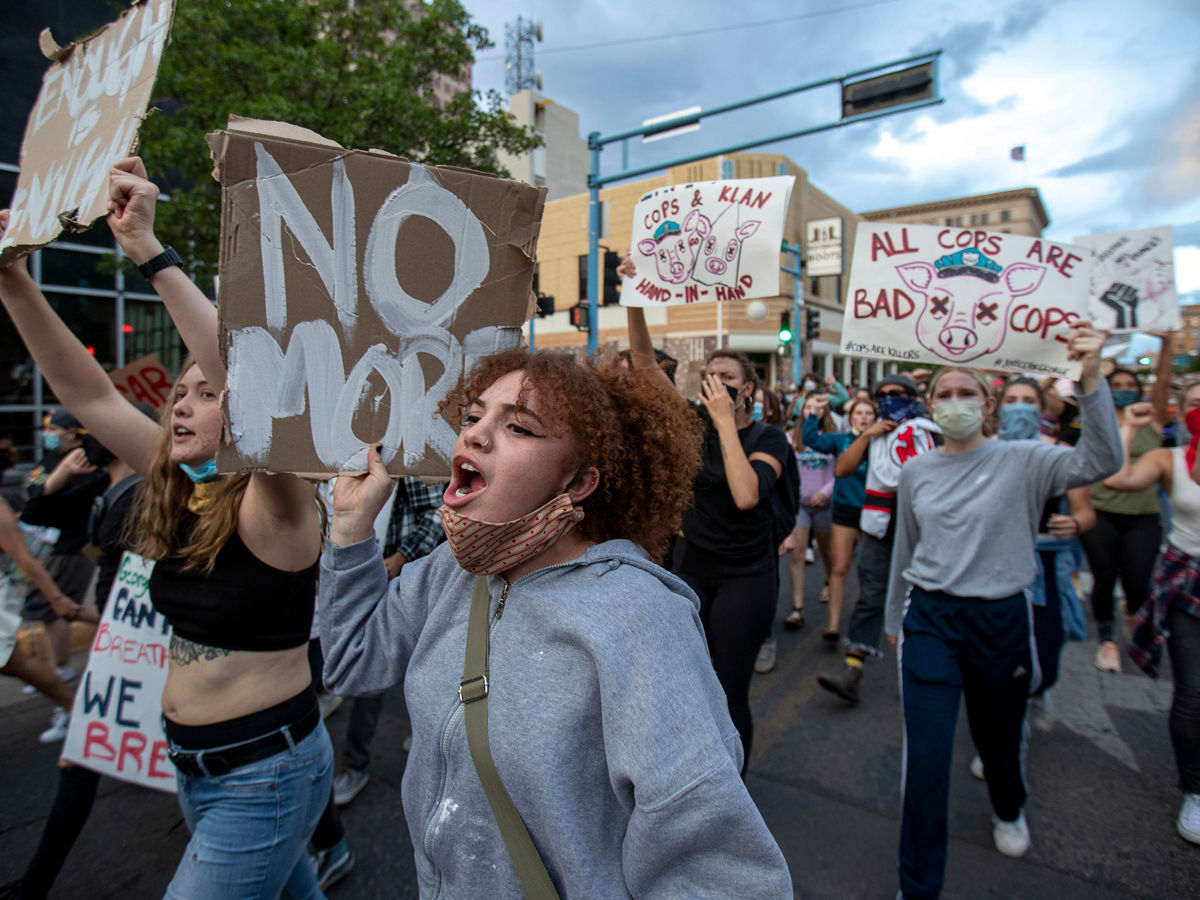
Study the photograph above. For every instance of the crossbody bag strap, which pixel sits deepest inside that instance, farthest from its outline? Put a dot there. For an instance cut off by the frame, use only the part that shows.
(473, 692)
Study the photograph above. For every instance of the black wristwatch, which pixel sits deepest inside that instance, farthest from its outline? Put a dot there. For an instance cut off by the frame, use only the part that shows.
(164, 260)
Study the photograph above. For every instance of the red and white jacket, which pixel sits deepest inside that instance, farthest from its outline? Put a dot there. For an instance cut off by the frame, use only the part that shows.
(888, 452)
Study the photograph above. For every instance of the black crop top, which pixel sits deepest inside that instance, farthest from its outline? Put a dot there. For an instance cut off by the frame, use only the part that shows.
(243, 604)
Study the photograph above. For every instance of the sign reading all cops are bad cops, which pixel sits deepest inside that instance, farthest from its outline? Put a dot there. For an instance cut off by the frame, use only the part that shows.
(92, 101)
(708, 241)
(952, 296)
(116, 723)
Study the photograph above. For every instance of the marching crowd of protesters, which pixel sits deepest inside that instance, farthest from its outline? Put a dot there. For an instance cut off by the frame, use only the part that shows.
(615, 552)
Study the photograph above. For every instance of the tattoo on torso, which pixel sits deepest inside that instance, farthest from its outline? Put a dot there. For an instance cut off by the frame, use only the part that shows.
(185, 652)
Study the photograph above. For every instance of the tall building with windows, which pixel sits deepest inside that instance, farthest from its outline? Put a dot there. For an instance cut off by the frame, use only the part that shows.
(1017, 211)
(689, 333)
(561, 164)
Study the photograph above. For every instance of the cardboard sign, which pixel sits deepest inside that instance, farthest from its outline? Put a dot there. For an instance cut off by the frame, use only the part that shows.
(355, 287)
(86, 118)
(116, 724)
(143, 379)
(960, 297)
(709, 241)
(1133, 280)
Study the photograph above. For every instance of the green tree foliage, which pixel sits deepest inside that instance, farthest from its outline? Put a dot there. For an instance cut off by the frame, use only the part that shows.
(359, 72)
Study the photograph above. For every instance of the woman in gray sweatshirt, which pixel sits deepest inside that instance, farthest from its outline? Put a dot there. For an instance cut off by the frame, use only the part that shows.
(967, 519)
(607, 724)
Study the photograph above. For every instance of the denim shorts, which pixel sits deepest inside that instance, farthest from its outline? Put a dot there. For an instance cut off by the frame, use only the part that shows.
(250, 827)
(815, 518)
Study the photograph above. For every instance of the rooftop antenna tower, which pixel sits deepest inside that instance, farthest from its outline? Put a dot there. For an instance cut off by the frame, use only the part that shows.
(519, 36)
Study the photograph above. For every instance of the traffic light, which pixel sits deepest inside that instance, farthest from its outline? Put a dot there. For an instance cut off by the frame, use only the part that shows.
(579, 315)
(545, 305)
(812, 329)
(612, 281)
(785, 328)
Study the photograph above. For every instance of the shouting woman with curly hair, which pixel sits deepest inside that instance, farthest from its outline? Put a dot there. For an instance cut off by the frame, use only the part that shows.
(607, 725)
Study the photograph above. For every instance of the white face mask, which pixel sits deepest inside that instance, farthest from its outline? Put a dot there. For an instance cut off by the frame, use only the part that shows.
(810, 386)
(958, 419)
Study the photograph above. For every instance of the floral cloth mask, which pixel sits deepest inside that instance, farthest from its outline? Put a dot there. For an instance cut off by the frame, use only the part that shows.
(488, 548)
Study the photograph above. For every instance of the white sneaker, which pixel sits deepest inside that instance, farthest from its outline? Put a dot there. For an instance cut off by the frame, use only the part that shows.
(1041, 712)
(976, 767)
(765, 661)
(809, 558)
(67, 674)
(347, 784)
(1188, 824)
(59, 723)
(1011, 838)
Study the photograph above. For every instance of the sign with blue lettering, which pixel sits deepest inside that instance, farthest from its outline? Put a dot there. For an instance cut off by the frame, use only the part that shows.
(116, 724)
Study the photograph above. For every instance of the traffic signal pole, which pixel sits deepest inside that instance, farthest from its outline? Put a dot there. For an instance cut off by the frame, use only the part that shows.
(890, 100)
(796, 270)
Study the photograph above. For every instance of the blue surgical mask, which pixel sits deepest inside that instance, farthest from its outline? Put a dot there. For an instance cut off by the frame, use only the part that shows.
(201, 474)
(1125, 397)
(51, 441)
(1020, 422)
(757, 413)
(896, 408)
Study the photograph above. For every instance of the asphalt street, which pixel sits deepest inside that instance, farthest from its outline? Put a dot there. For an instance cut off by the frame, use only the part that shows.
(1102, 802)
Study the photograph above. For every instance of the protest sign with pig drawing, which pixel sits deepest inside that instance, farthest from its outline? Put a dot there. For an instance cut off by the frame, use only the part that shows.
(708, 241)
(953, 296)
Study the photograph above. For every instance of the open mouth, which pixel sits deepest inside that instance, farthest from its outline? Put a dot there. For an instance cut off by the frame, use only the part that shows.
(180, 432)
(465, 482)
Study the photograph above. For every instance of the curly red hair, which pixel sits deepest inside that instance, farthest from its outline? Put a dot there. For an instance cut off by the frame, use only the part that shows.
(630, 424)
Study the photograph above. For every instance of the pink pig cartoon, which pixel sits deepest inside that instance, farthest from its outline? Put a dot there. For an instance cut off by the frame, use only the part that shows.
(673, 250)
(967, 299)
(720, 251)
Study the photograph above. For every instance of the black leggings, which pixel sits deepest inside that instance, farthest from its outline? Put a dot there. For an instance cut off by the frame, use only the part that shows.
(1125, 546)
(1047, 624)
(72, 806)
(737, 611)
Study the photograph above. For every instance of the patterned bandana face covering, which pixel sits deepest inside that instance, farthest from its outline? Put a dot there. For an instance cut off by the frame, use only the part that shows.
(488, 548)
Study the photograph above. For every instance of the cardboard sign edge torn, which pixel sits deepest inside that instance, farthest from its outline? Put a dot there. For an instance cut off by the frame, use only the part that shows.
(526, 204)
(68, 218)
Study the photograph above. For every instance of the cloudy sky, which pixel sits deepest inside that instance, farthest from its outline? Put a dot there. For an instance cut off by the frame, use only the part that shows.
(1104, 96)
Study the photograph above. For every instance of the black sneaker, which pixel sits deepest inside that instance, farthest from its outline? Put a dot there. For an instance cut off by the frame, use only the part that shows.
(333, 864)
(845, 684)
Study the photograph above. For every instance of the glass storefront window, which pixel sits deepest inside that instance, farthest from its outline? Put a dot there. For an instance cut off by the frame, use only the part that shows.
(148, 329)
(68, 268)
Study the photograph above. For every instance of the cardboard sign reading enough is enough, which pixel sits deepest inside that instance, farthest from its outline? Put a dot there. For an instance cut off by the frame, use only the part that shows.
(951, 296)
(86, 118)
(355, 288)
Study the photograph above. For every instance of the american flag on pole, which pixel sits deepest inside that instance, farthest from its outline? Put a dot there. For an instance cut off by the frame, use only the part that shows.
(1018, 153)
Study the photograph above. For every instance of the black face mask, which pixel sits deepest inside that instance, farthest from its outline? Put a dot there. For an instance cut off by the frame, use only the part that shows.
(97, 454)
(733, 398)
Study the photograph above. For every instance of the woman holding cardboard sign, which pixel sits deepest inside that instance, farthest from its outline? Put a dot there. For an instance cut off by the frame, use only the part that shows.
(966, 521)
(541, 648)
(235, 576)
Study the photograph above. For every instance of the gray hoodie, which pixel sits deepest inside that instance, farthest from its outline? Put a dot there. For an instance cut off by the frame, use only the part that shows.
(607, 725)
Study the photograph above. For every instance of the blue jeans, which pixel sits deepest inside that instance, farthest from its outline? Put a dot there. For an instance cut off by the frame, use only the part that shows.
(250, 826)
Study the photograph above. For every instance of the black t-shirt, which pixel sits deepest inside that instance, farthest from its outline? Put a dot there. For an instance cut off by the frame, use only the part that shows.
(713, 522)
(109, 540)
(67, 510)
